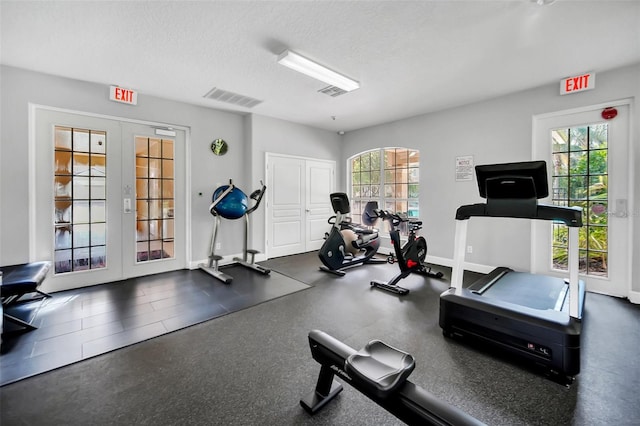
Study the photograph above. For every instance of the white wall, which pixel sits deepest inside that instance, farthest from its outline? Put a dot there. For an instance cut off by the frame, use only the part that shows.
(497, 130)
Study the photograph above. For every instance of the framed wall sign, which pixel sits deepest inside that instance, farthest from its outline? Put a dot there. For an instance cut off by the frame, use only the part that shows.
(464, 168)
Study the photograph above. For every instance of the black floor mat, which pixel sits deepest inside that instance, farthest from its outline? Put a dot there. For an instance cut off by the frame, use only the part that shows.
(79, 324)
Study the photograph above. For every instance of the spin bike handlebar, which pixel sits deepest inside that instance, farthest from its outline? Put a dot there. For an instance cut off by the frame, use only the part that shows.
(395, 219)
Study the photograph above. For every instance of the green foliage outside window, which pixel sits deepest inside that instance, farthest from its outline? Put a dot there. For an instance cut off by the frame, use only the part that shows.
(580, 178)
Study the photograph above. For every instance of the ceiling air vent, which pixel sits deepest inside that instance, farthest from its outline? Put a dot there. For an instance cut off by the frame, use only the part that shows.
(332, 91)
(231, 98)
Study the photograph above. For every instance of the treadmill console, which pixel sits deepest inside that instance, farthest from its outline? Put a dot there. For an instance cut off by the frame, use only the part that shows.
(523, 180)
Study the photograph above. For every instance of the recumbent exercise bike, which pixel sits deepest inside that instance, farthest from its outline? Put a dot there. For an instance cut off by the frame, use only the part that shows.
(349, 244)
(410, 256)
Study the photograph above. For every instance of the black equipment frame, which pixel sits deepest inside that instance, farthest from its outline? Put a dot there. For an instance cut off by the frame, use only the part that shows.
(414, 248)
(333, 254)
(409, 403)
(546, 338)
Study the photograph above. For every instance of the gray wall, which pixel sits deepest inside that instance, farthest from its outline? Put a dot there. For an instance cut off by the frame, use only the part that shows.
(247, 145)
(284, 137)
(493, 131)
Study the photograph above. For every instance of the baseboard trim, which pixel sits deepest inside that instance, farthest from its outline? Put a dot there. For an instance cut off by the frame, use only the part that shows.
(468, 266)
(634, 297)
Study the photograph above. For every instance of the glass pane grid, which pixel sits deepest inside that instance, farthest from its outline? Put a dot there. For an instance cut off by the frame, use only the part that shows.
(154, 199)
(580, 178)
(79, 199)
(390, 176)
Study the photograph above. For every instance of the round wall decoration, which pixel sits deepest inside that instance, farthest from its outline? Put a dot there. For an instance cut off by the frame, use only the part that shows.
(219, 147)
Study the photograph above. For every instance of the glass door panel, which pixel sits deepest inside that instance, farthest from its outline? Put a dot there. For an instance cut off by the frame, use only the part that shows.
(588, 164)
(154, 198)
(74, 191)
(153, 178)
(74, 203)
(580, 176)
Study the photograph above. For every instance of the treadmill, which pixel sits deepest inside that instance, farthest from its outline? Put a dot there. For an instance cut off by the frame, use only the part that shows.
(536, 318)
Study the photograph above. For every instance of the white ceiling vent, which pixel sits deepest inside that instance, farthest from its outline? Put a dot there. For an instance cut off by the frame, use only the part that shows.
(231, 98)
(332, 91)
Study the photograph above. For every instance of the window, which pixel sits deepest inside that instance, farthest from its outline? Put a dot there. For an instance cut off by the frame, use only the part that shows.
(80, 164)
(580, 178)
(390, 176)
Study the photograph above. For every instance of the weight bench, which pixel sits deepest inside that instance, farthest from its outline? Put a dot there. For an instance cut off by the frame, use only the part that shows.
(18, 280)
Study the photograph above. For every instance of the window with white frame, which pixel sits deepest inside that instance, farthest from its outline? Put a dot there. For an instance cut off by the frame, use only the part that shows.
(390, 176)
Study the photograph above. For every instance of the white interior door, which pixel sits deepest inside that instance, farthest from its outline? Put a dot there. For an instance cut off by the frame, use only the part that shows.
(298, 204)
(83, 170)
(588, 165)
(320, 184)
(285, 205)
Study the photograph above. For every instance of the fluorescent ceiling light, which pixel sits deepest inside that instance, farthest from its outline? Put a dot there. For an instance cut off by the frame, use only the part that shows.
(307, 66)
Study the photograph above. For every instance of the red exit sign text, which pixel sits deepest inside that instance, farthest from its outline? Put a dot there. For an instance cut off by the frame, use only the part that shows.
(578, 83)
(126, 96)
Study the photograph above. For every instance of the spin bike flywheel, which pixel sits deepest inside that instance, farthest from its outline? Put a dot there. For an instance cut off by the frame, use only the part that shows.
(417, 251)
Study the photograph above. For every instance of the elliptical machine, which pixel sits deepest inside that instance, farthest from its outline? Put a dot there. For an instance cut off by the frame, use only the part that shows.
(347, 244)
(410, 257)
(229, 202)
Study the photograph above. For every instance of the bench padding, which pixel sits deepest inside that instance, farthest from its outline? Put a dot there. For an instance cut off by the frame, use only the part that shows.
(22, 279)
(15, 282)
(380, 367)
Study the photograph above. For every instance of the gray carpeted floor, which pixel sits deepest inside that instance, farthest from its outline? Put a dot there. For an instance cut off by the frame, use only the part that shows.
(251, 367)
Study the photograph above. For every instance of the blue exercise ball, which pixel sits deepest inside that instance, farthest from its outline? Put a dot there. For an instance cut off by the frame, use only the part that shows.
(233, 206)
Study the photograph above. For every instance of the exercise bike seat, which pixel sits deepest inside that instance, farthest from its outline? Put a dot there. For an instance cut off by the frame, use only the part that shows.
(370, 213)
(380, 368)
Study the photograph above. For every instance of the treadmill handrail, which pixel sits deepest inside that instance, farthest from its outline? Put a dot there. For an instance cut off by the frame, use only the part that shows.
(460, 244)
(570, 216)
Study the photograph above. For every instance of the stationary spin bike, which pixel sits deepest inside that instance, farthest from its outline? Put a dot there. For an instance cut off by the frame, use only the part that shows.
(230, 202)
(349, 244)
(410, 257)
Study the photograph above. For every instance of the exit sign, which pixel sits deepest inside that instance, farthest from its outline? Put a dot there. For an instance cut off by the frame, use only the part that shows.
(578, 83)
(126, 96)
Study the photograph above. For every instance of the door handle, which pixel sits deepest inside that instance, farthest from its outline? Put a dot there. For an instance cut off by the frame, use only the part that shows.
(621, 208)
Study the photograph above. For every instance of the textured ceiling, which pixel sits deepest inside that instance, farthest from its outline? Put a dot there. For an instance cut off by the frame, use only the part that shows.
(411, 57)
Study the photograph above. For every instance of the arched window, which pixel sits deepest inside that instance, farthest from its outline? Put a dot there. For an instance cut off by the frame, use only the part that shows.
(390, 176)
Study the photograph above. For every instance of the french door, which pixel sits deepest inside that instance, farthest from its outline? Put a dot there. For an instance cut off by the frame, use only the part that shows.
(588, 166)
(108, 199)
